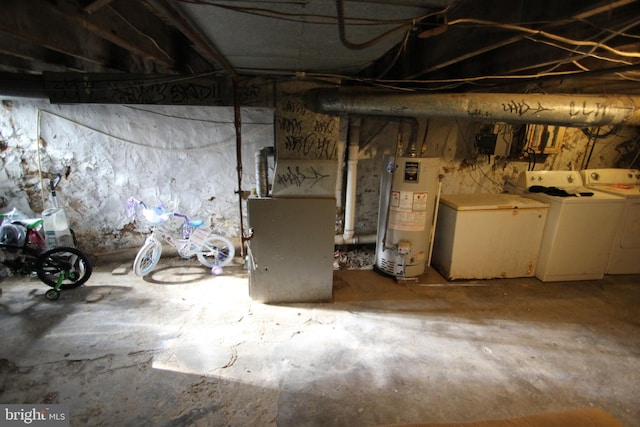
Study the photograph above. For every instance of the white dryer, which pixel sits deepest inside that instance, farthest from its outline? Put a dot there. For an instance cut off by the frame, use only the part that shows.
(580, 228)
(625, 253)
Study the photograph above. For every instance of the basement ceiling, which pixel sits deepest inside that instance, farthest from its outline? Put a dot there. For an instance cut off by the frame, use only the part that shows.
(582, 46)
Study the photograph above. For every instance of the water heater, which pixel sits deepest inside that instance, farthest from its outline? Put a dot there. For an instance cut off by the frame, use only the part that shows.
(408, 199)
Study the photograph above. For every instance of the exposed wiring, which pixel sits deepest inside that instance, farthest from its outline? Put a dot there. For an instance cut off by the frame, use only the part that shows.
(582, 54)
(480, 78)
(592, 140)
(369, 43)
(621, 33)
(138, 144)
(172, 116)
(635, 141)
(141, 33)
(624, 28)
(298, 17)
(546, 34)
(597, 135)
(401, 49)
(530, 154)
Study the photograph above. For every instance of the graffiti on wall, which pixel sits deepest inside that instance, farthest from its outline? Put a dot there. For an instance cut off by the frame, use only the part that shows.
(131, 90)
(303, 134)
(305, 177)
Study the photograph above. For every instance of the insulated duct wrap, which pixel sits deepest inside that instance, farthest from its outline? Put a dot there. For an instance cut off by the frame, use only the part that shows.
(563, 110)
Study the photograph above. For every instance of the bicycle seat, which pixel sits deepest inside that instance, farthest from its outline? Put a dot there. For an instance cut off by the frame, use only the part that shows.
(196, 223)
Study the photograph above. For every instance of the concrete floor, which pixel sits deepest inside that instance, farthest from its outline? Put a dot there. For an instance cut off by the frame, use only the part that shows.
(182, 348)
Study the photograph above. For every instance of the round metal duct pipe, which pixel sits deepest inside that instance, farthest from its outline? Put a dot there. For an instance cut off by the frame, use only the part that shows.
(563, 110)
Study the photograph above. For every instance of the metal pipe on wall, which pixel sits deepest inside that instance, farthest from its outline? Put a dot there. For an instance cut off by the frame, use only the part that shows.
(262, 170)
(352, 169)
(562, 109)
(348, 237)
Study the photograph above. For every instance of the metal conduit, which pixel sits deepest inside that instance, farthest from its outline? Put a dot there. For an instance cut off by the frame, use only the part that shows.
(563, 109)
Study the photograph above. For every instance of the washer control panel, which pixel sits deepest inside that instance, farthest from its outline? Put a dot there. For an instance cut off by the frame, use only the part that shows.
(560, 179)
(611, 176)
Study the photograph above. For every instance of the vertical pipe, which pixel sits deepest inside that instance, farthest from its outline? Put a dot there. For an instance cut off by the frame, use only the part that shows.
(352, 168)
(237, 120)
(342, 138)
(262, 170)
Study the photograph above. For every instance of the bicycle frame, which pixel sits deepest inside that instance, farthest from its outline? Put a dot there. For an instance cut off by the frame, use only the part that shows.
(160, 219)
(60, 267)
(189, 243)
(193, 239)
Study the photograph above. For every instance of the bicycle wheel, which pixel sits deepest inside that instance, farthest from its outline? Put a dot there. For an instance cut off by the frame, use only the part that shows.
(147, 257)
(216, 251)
(68, 265)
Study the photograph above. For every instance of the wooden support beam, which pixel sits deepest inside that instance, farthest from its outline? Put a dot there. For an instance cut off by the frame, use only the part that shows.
(122, 36)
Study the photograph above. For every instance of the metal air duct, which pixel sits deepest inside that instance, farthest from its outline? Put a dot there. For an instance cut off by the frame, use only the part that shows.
(563, 110)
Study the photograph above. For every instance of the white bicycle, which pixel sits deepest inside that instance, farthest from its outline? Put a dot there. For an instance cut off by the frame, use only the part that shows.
(212, 250)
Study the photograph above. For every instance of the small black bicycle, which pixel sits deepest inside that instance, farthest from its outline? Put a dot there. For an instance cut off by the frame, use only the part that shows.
(23, 250)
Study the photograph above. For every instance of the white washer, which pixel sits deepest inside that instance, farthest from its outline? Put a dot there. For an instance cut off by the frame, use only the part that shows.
(484, 236)
(625, 254)
(580, 229)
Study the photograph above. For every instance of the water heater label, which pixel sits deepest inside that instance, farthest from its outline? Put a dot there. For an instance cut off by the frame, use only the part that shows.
(407, 221)
(411, 171)
(408, 211)
(405, 200)
(419, 201)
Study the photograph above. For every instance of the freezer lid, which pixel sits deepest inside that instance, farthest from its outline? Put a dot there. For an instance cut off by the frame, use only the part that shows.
(468, 202)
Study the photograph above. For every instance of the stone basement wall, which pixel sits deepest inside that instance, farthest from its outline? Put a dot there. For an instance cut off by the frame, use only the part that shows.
(187, 156)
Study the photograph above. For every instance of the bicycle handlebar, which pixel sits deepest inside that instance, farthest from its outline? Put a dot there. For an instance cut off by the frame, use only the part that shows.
(155, 215)
(53, 182)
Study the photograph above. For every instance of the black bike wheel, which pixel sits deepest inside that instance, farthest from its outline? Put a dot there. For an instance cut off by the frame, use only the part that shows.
(70, 265)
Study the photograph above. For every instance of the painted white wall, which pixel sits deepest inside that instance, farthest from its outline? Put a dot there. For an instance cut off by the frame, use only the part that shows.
(187, 155)
(168, 154)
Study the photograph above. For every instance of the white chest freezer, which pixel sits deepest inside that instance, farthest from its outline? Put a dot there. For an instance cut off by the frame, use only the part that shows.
(484, 236)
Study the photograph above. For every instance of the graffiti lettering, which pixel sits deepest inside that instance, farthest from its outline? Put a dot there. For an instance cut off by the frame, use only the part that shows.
(250, 93)
(522, 108)
(135, 92)
(293, 126)
(189, 92)
(312, 146)
(599, 109)
(139, 92)
(294, 107)
(295, 177)
(324, 126)
(478, 113)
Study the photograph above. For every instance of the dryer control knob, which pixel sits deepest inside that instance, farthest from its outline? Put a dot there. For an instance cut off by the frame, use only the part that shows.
(595, 176)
